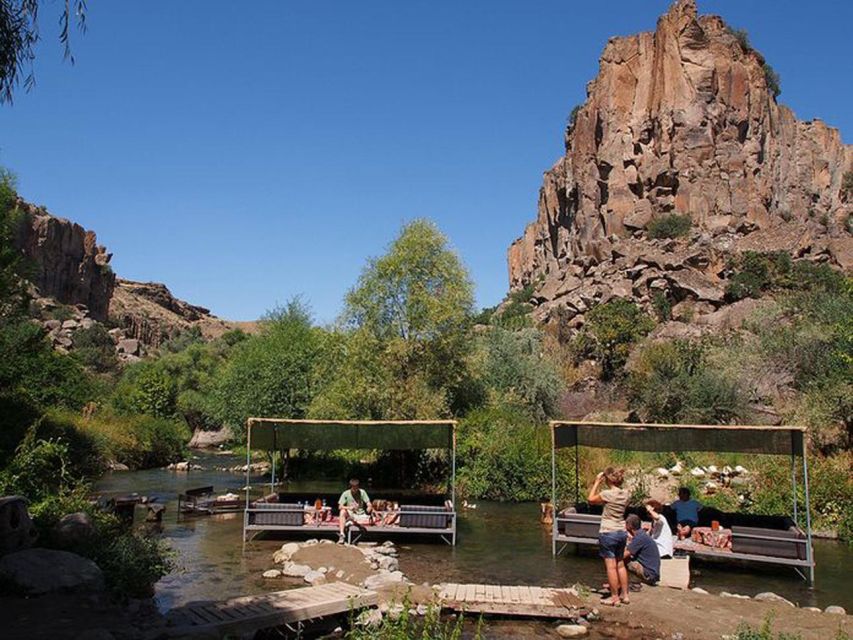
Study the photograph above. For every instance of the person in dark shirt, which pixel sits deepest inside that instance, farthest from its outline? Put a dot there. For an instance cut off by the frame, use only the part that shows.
(642, 557)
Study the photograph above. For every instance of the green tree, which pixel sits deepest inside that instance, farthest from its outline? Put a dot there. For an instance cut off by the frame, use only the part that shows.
(417, 302)
(517, 371)
(273, 373)
(673, 383)
(610, 332)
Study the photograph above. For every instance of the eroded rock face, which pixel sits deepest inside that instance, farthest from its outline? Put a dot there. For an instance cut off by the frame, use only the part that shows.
(67, 262)
(682, 121)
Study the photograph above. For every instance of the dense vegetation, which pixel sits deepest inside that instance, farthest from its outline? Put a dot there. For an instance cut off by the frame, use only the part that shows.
(409, 345)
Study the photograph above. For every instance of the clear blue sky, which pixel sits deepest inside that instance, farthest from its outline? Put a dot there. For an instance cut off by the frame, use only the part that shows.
(245, 152)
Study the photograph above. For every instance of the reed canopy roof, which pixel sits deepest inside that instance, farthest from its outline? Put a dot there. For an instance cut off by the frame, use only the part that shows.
(626, 436)
(277, 434)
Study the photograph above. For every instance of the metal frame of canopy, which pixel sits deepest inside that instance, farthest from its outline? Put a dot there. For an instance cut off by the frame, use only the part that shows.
(626, 436)
(287, 433)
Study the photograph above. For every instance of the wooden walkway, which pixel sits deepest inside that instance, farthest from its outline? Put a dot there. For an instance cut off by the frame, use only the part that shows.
(245, 615)
(540, 602)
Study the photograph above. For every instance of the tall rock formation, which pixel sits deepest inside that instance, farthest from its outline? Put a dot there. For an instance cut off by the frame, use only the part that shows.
(65, 261)
(681, 121)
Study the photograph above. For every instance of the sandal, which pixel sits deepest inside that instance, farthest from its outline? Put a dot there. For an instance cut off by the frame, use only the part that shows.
(611, 602)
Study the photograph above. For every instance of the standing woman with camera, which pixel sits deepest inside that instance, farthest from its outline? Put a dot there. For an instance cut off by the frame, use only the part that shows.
(612, 536)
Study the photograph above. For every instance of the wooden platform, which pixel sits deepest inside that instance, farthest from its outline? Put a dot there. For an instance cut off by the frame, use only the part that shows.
(540, 602)
(245, 615)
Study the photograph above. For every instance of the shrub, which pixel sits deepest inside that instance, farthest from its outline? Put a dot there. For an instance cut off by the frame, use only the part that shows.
(672, 383)
(611, 330)
(755, 272)
(847, 185)
(407, 626)
(742, 36)
(774, 82)
(505, 455)
(132, 564)
(673, 225)
(94, 348)
(662, 306)
(514, 365)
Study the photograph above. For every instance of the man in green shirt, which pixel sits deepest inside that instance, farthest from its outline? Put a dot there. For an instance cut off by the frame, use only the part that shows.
(355, 507)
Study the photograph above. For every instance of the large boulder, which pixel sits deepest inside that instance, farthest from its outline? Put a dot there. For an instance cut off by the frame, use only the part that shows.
(73, 529)
(39, 571)
(16, 529)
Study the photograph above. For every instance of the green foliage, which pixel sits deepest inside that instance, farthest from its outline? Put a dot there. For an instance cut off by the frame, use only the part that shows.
(742, 36)
(94, 348)
(419, 290)
(672, 382)
(132, 564)
(271, 374)
(765, 632)
(573, 116)
(13, 294)
(847, 185)
(505, 455)
(755, 272)
(406, 626)
(416, 303)
(673, 225)
(515, 367)
(610, 332)
(29, 367)
(662, 306)
(184, 339)
(515, 314)
(774, 82)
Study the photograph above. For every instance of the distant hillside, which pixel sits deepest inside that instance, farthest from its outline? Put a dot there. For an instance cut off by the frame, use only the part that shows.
(68, 268)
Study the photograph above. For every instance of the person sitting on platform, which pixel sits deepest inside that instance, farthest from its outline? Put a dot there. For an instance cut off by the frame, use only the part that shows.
(641, 555)
(659, 530)
(355, 508)
(686, 513)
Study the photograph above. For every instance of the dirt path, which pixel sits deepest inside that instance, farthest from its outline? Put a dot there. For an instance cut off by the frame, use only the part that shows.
(709, 617)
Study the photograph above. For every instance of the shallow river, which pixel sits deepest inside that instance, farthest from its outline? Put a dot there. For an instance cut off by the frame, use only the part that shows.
(497, 543)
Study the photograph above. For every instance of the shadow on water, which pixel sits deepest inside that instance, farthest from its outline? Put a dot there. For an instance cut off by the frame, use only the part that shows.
(498, 543)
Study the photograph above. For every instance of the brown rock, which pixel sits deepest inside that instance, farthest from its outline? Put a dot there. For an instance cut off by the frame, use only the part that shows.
(67, 264)
(681, 121)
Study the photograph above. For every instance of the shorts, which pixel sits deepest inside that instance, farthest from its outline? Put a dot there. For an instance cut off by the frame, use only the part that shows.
(688, 523)
(638, 570)
(612, 544)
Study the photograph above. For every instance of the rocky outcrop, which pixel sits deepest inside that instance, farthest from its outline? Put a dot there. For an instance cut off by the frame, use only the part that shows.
(65, 261)
(39, 571)
(680, 121)
(150, 314)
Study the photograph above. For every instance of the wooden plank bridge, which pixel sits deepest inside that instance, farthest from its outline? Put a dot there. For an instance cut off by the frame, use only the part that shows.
(540, 602)
(247, 614)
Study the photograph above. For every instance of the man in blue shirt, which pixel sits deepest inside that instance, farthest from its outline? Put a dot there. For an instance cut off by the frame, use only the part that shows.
(642, 557)
(686, 513)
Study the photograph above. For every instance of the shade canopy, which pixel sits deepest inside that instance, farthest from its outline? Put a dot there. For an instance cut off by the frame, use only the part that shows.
(275, 434)
(760, 439)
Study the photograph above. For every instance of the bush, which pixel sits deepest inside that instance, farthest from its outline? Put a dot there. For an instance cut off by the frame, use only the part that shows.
(407, 626)
(672, 383)
(755, 272)
(774, 82)
(94, 348)
(132, 564)
(662, 306)
(514, 366)
(610, 332)
(847, 185)
(673, 225)
(506, 455)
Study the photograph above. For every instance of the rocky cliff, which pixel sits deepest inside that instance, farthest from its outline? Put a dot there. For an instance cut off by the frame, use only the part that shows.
(682, 121)
(64, 261)
(66, 266)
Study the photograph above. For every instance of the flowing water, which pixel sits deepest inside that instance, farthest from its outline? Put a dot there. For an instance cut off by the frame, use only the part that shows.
(497, 543)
